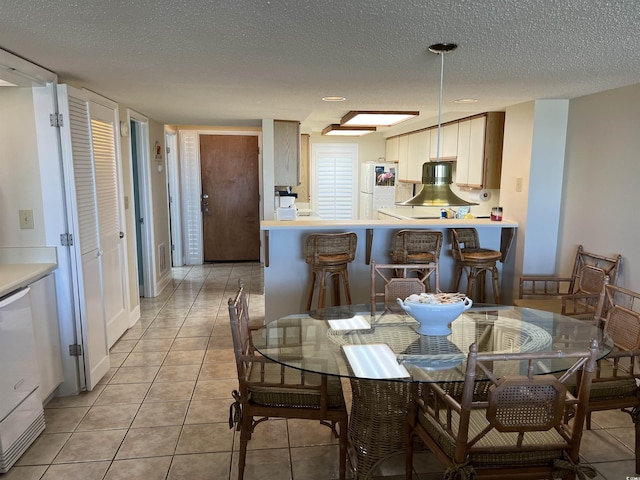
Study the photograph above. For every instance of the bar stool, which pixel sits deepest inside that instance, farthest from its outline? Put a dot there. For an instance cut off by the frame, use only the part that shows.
(476, 262)
(416, 247)
(329, 254)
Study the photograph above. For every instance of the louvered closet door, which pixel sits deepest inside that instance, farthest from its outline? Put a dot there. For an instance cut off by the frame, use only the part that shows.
(107, 194)
(83, 219)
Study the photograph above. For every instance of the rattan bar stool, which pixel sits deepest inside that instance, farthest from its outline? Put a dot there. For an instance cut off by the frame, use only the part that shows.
(476, 262)
(329, 254)
(416, 247)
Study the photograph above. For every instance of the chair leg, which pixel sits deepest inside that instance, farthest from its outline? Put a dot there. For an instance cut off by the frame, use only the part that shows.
(636, 420)
(245, 435)
(336, 278)
(343, 425)
(347, 291)
(456, 285)
(322, 290)
(471, 285)
(496, 284)
(312, 284)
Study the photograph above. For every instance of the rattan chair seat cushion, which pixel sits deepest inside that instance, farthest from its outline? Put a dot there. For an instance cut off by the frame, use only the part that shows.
(495, 443)
(280, 395)
(621, 388)
(480, 255)
(337, 259)
(422, 257)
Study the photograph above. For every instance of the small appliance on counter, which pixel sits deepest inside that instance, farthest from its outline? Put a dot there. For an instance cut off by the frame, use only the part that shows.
(287, 209)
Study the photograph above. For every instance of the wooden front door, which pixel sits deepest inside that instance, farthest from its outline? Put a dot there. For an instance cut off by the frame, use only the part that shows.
(230, 198)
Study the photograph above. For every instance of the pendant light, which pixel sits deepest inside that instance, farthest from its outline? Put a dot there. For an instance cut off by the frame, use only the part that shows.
(437, 176)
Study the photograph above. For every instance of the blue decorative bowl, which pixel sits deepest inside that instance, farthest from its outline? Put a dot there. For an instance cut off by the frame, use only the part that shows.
(435, 318)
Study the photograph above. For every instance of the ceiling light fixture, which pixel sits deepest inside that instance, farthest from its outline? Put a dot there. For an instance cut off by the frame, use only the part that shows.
(437, 176)
(466, 100)
(333, 98)
(348, 131)
(381, 119)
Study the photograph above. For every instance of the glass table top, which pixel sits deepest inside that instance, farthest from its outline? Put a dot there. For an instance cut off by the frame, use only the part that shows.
(358, 341)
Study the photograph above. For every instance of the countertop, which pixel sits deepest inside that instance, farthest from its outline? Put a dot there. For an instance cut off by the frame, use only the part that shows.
(16, 276)
(299, 223)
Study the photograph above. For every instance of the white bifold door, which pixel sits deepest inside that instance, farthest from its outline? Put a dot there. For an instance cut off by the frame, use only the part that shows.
(92, 189)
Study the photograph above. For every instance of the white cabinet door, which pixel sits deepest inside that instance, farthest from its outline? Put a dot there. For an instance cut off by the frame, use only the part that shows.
(44, 312)
(418, 153)
(403, 157)
(75, 135)
(470, 165)
(448, 142)
(391, 150)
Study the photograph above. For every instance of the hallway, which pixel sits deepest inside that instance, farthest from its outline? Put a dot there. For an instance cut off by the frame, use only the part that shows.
(161, 413)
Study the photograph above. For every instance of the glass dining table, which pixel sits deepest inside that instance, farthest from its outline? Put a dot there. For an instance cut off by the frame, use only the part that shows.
(378, 349)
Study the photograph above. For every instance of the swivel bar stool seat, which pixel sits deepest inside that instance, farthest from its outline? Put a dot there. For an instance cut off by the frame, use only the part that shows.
(329, 254)
(476, 262)
(416, 247)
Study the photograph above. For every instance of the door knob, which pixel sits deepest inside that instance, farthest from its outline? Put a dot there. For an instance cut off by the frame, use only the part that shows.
(205, 196)
(121, 235)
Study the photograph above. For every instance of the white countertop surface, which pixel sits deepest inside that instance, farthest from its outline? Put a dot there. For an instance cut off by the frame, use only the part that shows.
(301, 223)
(16, 276)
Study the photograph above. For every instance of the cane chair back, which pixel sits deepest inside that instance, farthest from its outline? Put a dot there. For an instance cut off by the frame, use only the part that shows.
(270, 390)
(390, 282)
(576, 295)
(615, 386)
(417, 247)
(515, 431)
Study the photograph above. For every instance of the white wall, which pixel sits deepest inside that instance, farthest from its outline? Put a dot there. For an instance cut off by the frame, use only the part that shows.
(19, 163)
(602, 174)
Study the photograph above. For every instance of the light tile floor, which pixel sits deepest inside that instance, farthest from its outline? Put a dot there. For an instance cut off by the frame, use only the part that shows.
(162, 410)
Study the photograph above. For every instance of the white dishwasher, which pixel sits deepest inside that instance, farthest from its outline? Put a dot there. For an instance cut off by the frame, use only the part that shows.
(21, 414)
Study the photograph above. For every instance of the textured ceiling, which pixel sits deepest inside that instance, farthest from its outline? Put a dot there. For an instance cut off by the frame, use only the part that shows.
(234, 62)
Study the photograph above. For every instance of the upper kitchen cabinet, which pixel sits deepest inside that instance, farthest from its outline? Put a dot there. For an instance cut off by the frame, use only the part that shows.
(448, 142)
(418, 154)
(480, 151)
(403, 157)
(391, 149)
(286, 136)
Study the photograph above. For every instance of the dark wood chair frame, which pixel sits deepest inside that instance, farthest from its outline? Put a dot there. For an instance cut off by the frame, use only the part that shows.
(246, 413)
(525, 404)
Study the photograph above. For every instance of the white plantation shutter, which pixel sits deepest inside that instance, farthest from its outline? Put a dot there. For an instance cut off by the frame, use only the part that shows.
(106, 175)
(84, 175)
(191, 190)
(335, 180)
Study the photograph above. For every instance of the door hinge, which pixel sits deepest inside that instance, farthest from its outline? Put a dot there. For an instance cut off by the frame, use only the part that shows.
(75, 350)
(55, 119)
(66, 240)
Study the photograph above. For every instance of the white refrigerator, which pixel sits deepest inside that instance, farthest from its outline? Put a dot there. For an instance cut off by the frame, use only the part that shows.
(377, 188)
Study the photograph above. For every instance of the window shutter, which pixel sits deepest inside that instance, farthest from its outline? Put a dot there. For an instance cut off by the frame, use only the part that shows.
(336, 181)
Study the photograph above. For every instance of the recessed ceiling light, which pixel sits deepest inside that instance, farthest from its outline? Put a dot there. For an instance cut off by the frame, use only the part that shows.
(466, 100)
(333, 98)
(347, 131)
(5, 83)
(383, 119)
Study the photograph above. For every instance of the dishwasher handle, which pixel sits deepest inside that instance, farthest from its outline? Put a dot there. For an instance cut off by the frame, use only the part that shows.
(14, 297)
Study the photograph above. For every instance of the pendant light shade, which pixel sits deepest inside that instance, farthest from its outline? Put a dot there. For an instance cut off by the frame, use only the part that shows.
(437, 176)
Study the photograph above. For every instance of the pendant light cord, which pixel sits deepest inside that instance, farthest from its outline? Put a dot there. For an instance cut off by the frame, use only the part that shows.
(441, 54)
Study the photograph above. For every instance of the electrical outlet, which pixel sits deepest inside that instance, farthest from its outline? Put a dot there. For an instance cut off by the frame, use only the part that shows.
(519, 184)
(26, 219)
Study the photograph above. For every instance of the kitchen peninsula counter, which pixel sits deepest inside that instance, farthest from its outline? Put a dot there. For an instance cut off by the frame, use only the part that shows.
(286, 274)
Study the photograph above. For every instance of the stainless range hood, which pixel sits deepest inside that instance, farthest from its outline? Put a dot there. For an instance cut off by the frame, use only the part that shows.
(436, 178)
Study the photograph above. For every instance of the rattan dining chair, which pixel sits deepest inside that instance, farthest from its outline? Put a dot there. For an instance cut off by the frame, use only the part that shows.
(615, 386)
(517, 430)
(267, 389)
(391, 281)
(576, 295)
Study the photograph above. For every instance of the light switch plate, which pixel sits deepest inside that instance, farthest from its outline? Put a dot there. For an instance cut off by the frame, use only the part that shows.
(26, 219)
